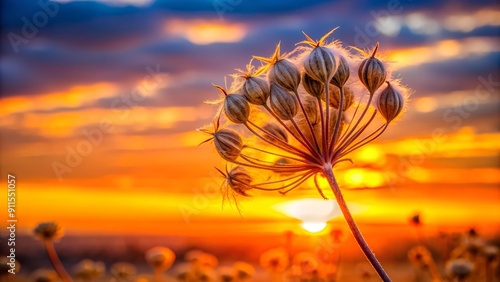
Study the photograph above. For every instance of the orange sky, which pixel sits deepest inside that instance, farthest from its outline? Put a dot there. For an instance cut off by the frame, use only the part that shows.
(92, 158)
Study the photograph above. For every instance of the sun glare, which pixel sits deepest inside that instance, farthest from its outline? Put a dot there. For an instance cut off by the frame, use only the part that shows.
(313, 227)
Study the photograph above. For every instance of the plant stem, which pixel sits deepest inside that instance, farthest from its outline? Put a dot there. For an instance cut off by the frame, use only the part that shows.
(56, 262)
(158, 274)
(327, 170)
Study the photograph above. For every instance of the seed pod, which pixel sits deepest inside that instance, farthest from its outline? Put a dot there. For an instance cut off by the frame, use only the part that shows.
(311, 108)
(255, 90)
(372, 72)
(342, 74)
(321, 64)
(236, 108)
(390, 103)
(275, 132)
(312, 86)
(228, 144)
(334, 99)
(334, 113)
(283, 163)
(239, 180)
(285, 74)
(283, 104)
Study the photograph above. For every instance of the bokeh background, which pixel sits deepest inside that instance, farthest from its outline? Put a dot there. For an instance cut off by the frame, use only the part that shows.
(100, 101)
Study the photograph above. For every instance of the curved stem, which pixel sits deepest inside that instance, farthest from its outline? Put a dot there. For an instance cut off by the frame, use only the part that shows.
(327, 170)
(56, 262)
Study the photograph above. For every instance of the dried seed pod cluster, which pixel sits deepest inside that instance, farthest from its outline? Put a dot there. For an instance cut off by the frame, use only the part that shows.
(298, 115)
(305, 110)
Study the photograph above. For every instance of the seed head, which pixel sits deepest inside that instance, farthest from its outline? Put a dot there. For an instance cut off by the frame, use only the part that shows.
(48, 231)
(239, 180)
(226, 274)
(311, 108)
(228, 144)
(123, 271)
(281, 71)
(312, 86)
(490, 253)
(459, 268)
(283, 104)
(45, 275)
(342, 74)
(275, 132)
(236, 108)
(88, 270)
(334, 99)
(285, 74)
(160, 257)
(390, 103)
(275, 260)
(372, 72)
(243, 270)
(255, 90)
(321, 64)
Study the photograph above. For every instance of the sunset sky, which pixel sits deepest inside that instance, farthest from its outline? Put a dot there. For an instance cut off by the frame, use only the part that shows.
(90, 153)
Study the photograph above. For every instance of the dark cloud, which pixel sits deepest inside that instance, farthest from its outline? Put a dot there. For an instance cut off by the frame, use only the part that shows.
(88, 42)
(452, 75)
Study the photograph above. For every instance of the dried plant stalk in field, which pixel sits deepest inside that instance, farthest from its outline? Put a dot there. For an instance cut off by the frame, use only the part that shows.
(303, 113)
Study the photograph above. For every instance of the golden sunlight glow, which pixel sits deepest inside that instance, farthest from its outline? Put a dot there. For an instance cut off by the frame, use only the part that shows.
(313, 227)
(469, 22)
(358, 177)
(203, 32)
(370, 154)
(310, 210)
(443, 50)
(425, 104)
(64, 123)
(74, 97)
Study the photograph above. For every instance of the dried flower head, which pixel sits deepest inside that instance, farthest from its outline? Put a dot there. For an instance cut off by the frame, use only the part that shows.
(306, 261)
(88, 270)
(160, 257)
(283, 104)
(45, 275)
(48, 231)
(372, 72)
(342, 74)
(243, 270)
(459, 268)
(228, 143)
(307, 124)
(201, 259)
(123, 271)
(312, 86)
(390, 102)
(420, 257)
(281, 70)
(275, 260)
(274, 131)
(347, 97)
(226, 274)
(321, 64)
(490, 253)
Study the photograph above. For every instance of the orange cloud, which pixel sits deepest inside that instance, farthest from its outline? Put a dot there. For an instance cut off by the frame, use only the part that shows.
(203, 32)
